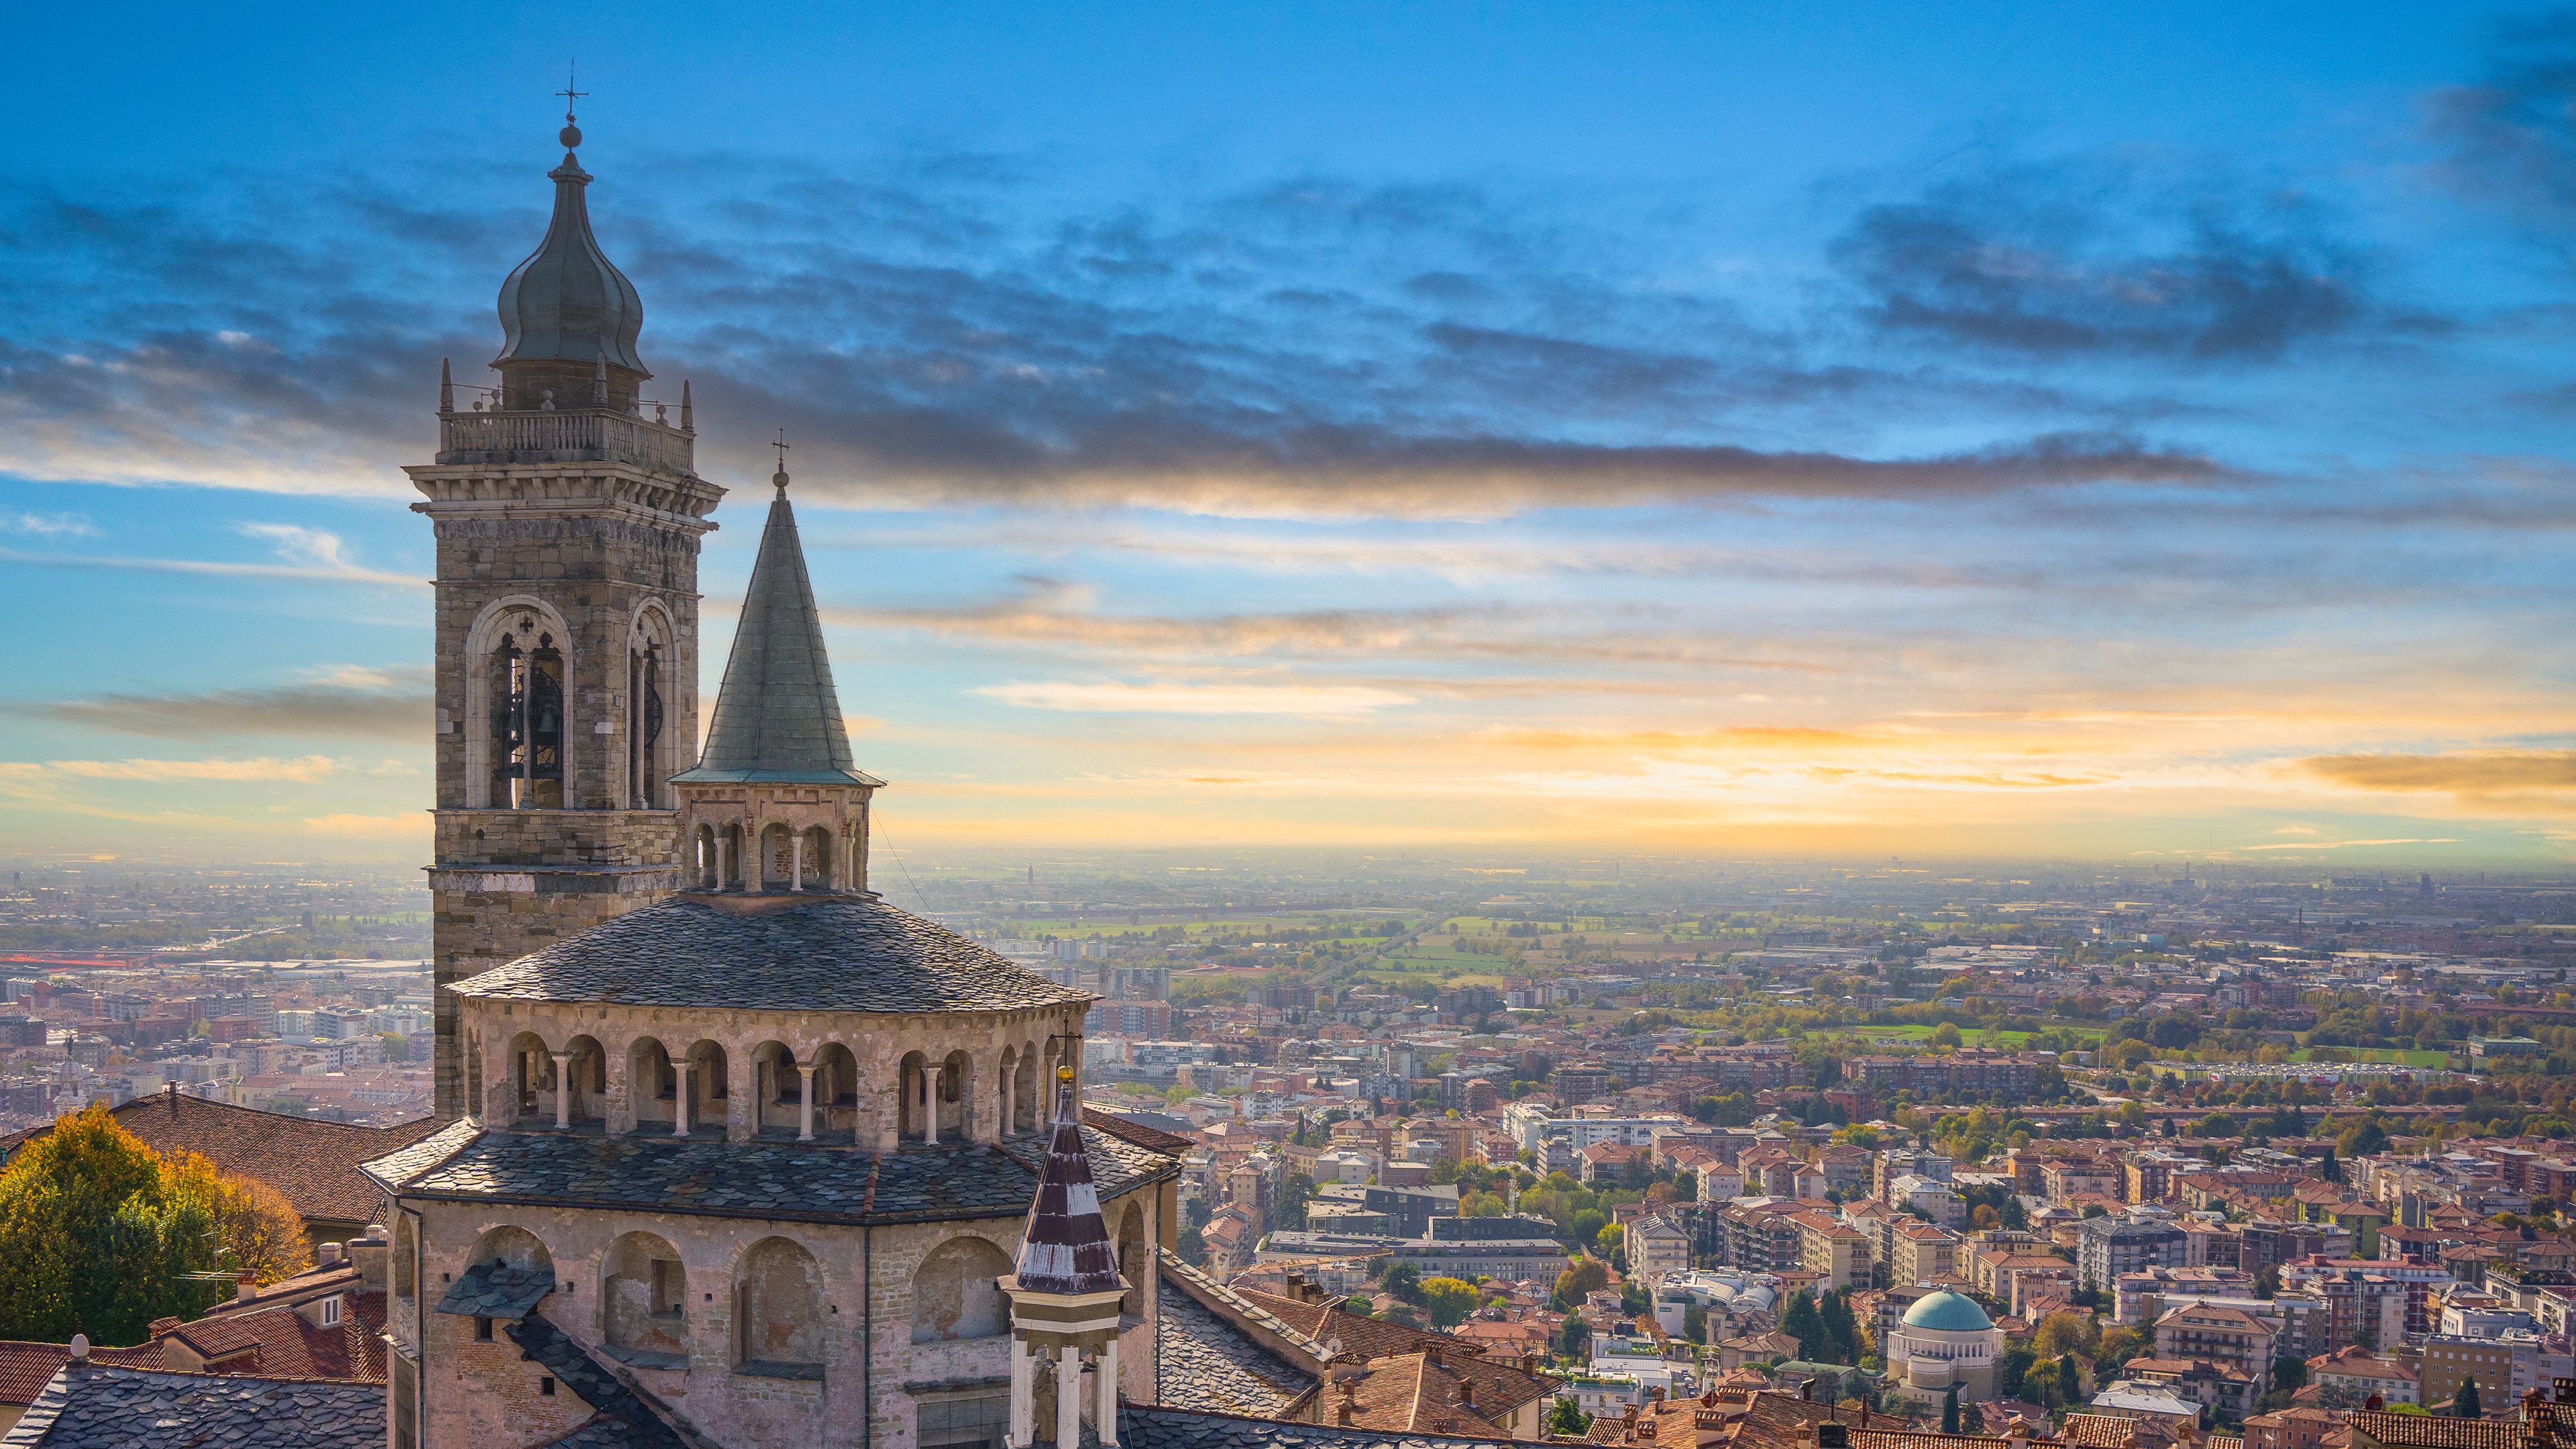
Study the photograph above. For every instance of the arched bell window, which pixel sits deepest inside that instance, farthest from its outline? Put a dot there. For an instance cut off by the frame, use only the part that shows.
(644, 725)
(527, 720)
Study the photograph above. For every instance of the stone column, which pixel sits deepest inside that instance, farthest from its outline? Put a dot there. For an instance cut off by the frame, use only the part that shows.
(805, 1106)
(796, 861)
(1008, 1075)
(1023, 1395)
(1068, 1398)
(930, 1104)
(1106, 1411)
(563, 1088)
(680, 1096)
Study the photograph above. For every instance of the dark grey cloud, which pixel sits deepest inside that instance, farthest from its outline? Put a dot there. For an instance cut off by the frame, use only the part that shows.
(2507, 140)
(2097, 259)
(947, 336)
(319, 711)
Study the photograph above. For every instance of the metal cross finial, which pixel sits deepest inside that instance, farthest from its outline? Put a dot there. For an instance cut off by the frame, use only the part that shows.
(782, 446)
(568, 93)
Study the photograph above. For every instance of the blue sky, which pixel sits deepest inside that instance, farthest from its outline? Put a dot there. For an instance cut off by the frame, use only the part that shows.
(1978, 428)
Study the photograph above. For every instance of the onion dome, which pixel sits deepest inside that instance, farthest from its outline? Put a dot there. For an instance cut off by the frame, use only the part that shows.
(1064, 1246)
(567, 303)
(1948, 1312)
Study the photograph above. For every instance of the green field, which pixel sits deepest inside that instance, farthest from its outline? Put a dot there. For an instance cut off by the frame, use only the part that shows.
(2384, 1054)
(1970, 1035)
(1254, 926)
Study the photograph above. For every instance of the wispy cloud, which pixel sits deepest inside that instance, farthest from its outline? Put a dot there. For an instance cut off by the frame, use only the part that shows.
(2517, 781)
(348, 703)
(47, 525)
(306, 769)
(1339, 701)
(373, 577)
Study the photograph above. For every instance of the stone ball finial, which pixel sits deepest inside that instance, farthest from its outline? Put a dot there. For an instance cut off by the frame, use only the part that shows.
(778, 480)
(570, 136)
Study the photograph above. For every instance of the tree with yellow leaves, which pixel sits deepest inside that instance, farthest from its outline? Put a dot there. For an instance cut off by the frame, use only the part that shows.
(2064, 1333)
(102, 1235)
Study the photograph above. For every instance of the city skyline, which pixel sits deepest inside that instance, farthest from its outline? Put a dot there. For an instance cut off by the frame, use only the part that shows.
(1994, 436)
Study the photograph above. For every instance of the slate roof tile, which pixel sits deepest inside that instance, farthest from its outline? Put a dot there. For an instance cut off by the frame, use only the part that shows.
(108, 1407)
(783, 1180)
(837, 953)
(25, 1368)
(496, 1290)
(1207, 1364)
(622, 1418)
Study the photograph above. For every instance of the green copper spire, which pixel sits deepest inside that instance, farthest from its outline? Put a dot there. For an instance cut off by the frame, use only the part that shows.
(777, 717)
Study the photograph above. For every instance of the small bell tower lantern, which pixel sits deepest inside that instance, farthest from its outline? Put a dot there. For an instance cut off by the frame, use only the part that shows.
(1065, 1292)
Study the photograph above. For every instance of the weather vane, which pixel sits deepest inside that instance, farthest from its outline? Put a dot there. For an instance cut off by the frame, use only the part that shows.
(571, 69)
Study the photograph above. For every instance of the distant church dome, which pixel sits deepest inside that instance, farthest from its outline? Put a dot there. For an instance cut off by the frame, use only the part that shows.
(1948, 1312)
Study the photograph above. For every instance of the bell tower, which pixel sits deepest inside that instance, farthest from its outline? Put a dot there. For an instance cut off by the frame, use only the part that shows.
(567, 510)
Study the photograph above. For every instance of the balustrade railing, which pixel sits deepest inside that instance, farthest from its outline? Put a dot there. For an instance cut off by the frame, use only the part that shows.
(613, 436)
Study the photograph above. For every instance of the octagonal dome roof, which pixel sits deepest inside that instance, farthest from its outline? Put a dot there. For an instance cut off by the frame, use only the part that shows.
(1948, 1312)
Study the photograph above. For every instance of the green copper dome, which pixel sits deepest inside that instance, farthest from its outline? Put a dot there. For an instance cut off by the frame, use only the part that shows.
(1949, 1312)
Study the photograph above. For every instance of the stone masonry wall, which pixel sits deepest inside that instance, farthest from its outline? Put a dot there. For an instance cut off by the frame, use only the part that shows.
(480, 1398)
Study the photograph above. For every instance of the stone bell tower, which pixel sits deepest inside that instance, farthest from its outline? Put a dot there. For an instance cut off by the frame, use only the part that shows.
(568, 513)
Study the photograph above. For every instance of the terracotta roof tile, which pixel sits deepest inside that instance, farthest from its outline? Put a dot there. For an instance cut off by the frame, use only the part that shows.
(313, 1163)
(1499, 1387)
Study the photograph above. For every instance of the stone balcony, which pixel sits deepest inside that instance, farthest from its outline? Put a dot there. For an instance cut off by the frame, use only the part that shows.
(578, 436)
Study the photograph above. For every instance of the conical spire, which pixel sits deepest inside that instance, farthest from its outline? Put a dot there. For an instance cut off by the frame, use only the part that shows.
(777, 717)
(567, 302)
(1064, 1246)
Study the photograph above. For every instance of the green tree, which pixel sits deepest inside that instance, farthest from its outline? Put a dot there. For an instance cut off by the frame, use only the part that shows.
(2010, 1368)
(1588, 1275)
(1448, 1300)
(1405, 1282)
(1192, 1246)
(1588, 1223)
(1567, 1421)
(1945, 1035)
(1695, 1324)
(1802, 1322)
(1836, 1311)
(1950, 1411)
(100, 1233)
(2464, 1402)
(1570, 1335)
(2070, 1380)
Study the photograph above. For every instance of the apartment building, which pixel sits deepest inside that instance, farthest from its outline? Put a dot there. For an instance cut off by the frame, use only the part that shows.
(2220, 1334)
(1920, 1252)
(1834, 1249)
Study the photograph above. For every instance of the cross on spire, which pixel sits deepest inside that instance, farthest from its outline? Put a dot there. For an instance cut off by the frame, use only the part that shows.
(571, 69)
(782, 446)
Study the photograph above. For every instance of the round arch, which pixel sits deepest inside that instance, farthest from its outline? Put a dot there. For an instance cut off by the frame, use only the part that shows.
(955, 1293)
(644, 1302)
